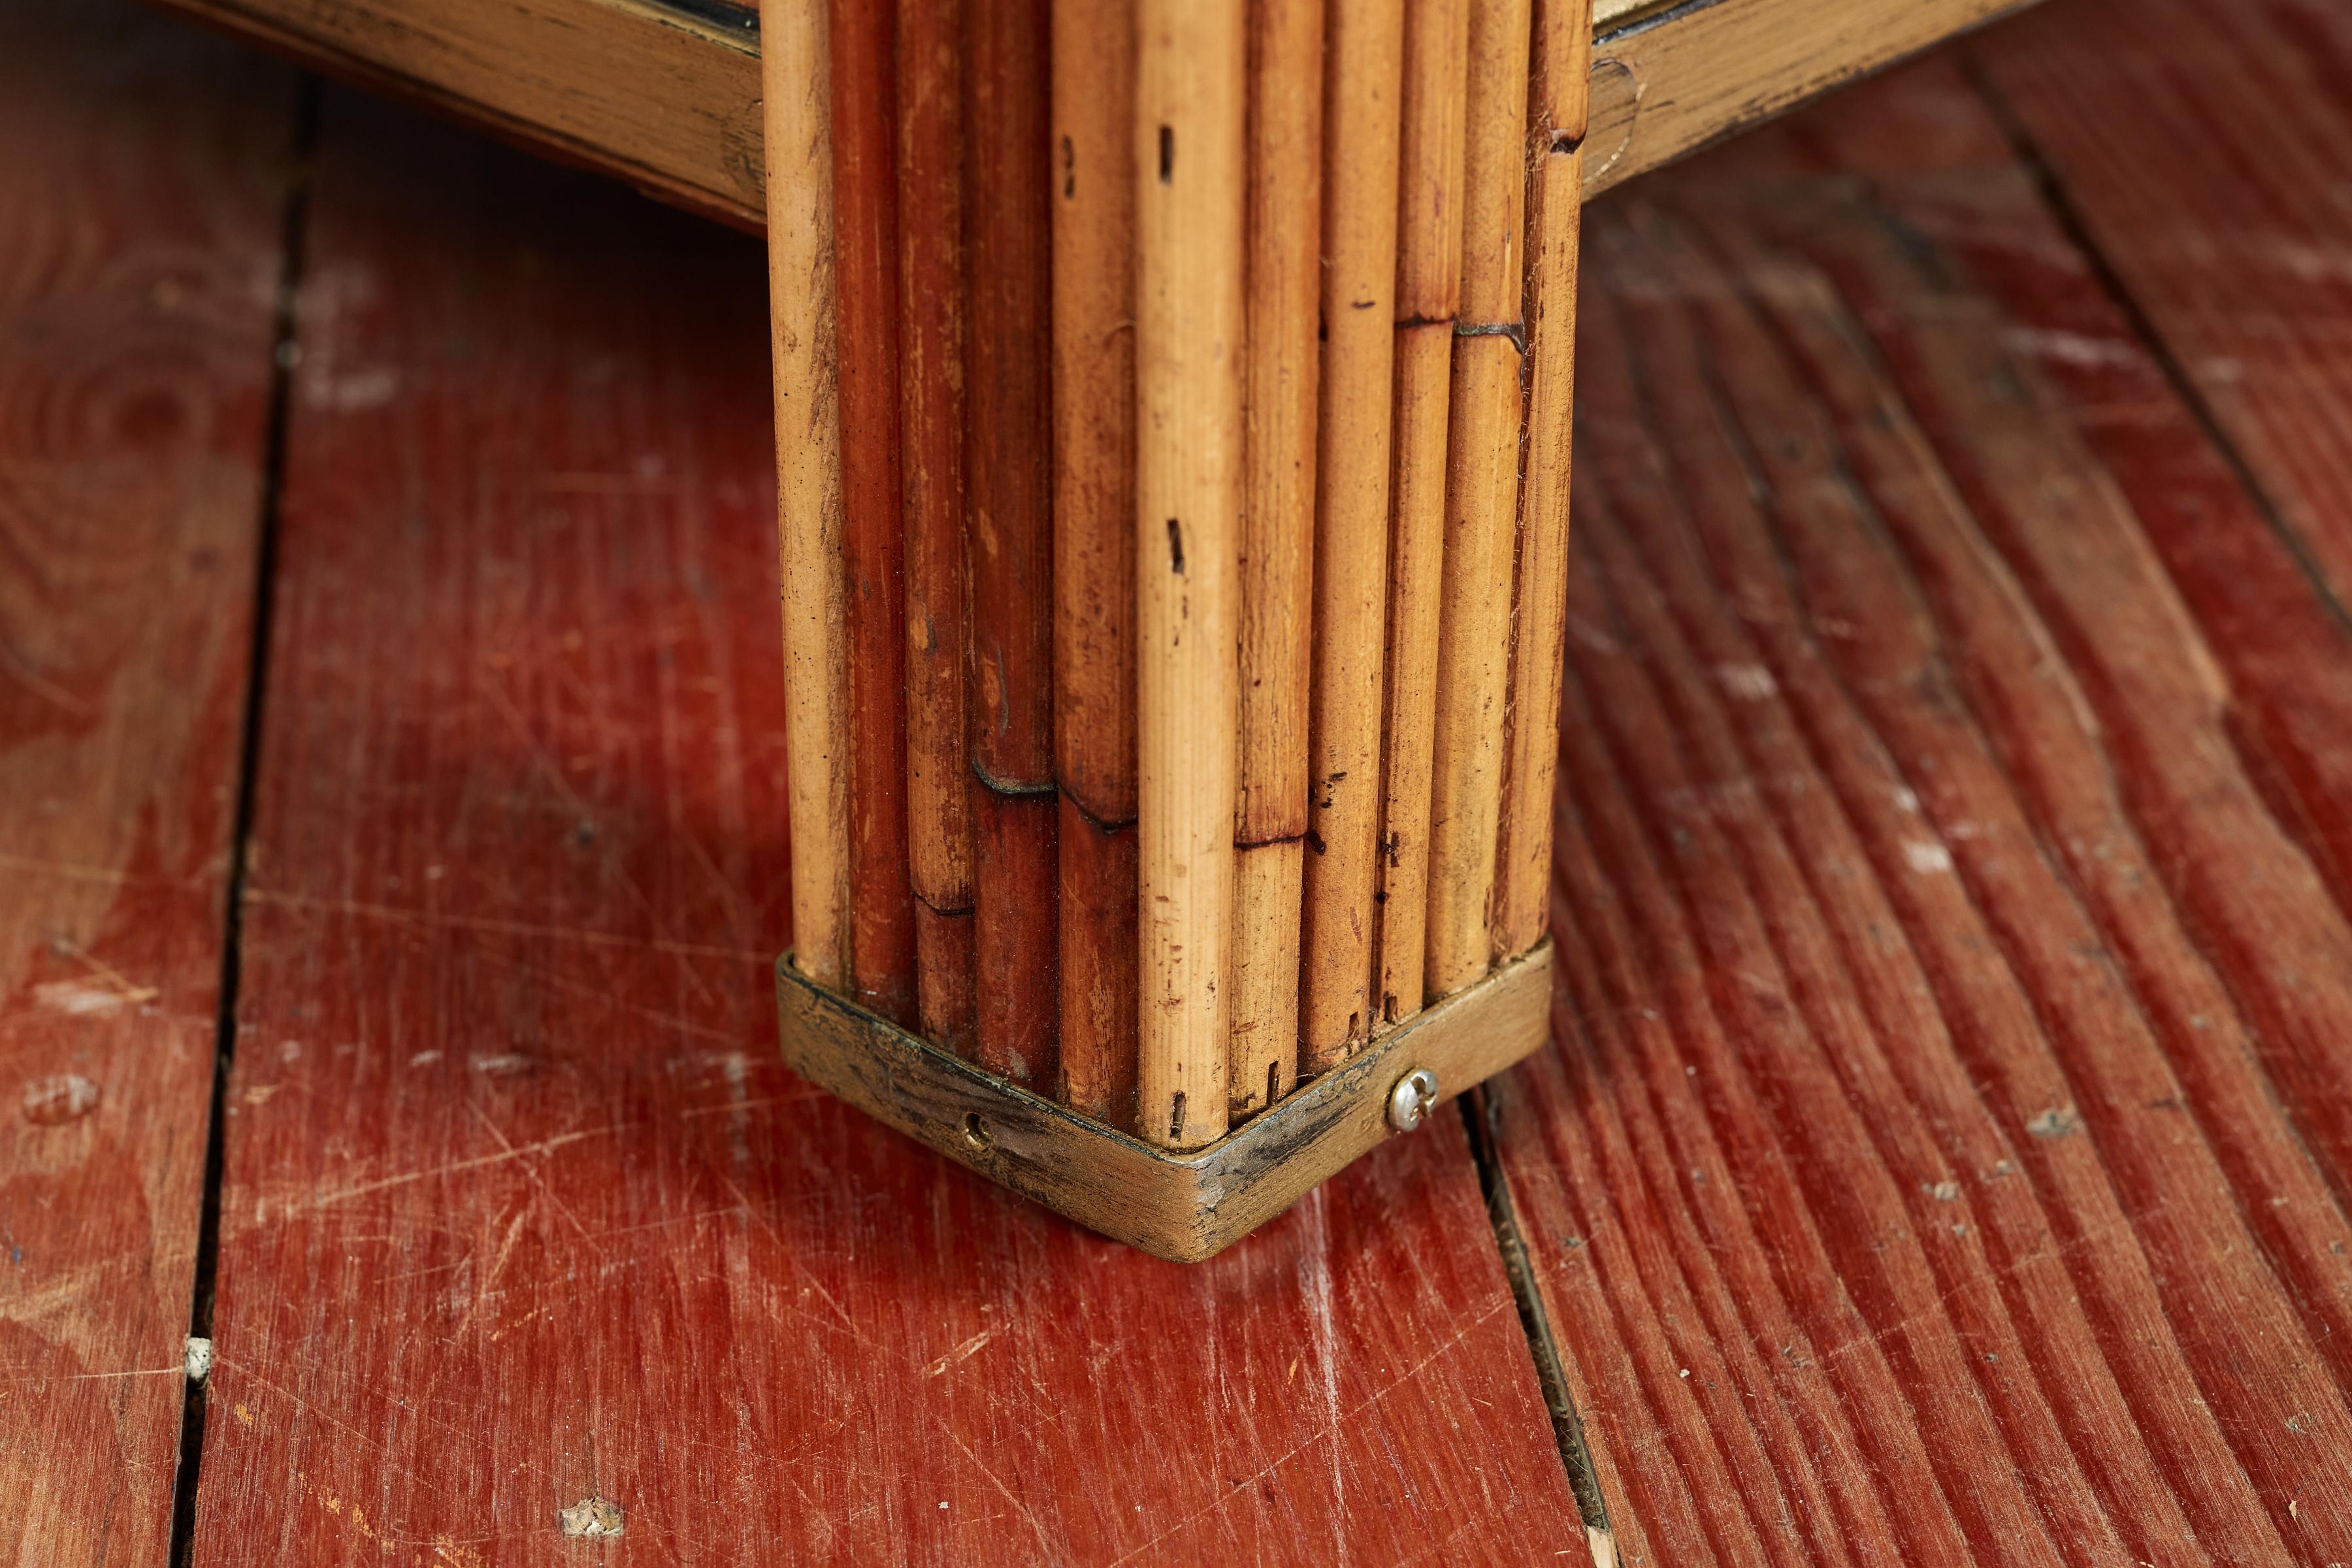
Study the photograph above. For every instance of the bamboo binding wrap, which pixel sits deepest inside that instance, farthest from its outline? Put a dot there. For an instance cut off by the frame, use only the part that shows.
(1173, 413)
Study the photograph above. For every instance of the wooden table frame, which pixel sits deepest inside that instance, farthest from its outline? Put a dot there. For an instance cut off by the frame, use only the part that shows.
(736, 115)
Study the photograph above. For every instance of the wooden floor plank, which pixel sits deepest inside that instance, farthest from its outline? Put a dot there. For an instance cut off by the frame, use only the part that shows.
(519, 1209)
(2205, 158)
(142, 170)
(2204, 150)
(1943, 1158)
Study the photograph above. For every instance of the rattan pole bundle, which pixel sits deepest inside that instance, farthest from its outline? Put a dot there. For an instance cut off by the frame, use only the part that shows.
(1173, 424)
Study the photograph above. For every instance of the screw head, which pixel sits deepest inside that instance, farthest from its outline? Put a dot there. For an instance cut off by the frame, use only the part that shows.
(1412, 1098)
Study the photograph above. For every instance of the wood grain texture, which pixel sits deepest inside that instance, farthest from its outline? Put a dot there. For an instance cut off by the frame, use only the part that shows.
(528, 1110)
(1094, 549)
(1428, 291)
(865, 274)
(2231, 243)
(669, 100)
(1364, 67)
(656, 95)
(142, 175)
(1671, 81)
(803, 352)
(929, 149)
(1190, 134)
(1938, 1155)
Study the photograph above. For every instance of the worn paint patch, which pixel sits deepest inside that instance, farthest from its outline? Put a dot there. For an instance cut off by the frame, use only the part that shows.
(2058, 1124)
(592, 1518)
(82, 999)
(60, 1098)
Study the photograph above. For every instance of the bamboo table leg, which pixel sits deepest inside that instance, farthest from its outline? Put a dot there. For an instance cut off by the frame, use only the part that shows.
(1214, 798)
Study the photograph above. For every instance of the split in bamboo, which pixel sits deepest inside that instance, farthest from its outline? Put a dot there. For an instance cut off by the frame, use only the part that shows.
(1093, 175)
(1363, 64)
(1281, 305)
(1189, 137)
(865, 277)
(794, 68)
(1482, 504)
(930, 296)
(1009, 536)
(1428, 291)
(1563, 55)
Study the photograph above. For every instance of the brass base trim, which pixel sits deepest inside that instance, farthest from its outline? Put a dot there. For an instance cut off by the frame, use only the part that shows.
(1182, 1207)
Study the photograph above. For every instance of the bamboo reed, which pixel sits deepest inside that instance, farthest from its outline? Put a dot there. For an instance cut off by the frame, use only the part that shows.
(1093, 176)
(1563, 52)
(1020, 1000)
(1364, 67)
(1099, 975)
(1188, 138)
(1482, 503)
(866, 279)
(1281, 305)
(931, 390)
(1428, 289)
(1008, 532)
(808, 481)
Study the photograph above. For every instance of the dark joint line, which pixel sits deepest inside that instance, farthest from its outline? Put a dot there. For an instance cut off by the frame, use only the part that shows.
(960, 914)
(1515, 330)
(1007, 787)
(1480, 1118)
(1100, 823)
(294, 227)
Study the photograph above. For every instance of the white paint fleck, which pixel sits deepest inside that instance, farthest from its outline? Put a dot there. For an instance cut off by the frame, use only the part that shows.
(1926, 858)
(352, 392)
(2070, 348)
(503, 1063)
(1747, 682)
(2060, 1123)
(199, 1358)
(80, 999)
(423, 1059)
(1907, 799)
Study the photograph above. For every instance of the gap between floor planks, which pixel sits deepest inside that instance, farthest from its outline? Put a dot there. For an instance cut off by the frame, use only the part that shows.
(1543, 1350)
(255, 738)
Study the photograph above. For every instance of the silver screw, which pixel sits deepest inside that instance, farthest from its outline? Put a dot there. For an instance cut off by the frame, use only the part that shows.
(1414, 1097)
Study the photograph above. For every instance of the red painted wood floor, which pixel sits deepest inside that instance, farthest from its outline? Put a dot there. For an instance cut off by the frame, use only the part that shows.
(1947, 1151)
